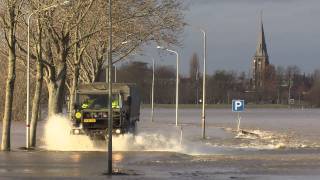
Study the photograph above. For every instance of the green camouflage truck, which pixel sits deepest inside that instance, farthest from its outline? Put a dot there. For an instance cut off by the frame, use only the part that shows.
(90, 116)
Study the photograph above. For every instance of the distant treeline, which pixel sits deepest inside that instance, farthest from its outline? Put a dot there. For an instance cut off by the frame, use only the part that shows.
(223, 86)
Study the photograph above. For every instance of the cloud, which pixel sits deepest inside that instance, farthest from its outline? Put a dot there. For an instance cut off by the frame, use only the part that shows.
(233, 25)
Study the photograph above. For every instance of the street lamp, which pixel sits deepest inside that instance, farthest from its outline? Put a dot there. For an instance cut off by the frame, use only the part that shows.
(115, 73)
(115, 67)
(152, 91)
(177, 80)
(110, 123)
(152, 88)
(290, 83)
(28, 67)
(203, 115)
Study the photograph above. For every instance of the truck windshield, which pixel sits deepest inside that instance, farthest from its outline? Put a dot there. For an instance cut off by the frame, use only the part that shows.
(96, 101)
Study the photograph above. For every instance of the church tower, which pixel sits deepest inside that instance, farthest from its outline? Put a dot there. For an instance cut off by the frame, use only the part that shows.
(260, 61)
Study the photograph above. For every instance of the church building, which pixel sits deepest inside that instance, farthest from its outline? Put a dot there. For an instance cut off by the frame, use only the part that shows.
(260, 61)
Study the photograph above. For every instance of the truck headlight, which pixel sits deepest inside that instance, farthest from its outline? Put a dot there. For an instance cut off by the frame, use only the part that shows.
(76, 131)
(78, 115)
(118, 131)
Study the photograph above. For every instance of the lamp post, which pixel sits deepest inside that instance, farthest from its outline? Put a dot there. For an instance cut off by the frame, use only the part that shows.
(177, 80)
(203, 115)
(289, 93)
(28, 67)
(110, 124)
(115, 73)
(203, 112)
(115, 67)
(152, 92)
(152, 88)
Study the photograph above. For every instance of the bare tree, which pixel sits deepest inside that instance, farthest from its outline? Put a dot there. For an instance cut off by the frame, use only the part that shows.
(194, 77)
(59, 27)
(139, 73)
(165, 85)
(10, 12)
(136, 23)
(74, 67)
(69, 46)
(38, 78)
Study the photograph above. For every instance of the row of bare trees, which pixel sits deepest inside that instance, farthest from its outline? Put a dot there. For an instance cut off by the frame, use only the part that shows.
(68, 43)
(223, 86)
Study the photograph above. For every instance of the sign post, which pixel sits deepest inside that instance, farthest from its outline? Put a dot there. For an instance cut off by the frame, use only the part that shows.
(238, 106)
(239, 121)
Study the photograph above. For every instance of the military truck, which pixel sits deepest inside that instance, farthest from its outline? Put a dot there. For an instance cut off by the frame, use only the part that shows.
(90, 116)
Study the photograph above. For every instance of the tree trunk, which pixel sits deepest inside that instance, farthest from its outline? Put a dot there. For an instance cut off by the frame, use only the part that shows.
(74, 86)
(56, 87)
(55, 98)
(5, 143)
(36, 104)
(75, 75)
(37, 93)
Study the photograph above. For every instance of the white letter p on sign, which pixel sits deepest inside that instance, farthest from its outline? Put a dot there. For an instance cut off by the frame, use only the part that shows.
(238, 104)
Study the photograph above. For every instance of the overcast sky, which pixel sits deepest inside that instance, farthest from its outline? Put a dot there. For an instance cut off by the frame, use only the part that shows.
(292, 30)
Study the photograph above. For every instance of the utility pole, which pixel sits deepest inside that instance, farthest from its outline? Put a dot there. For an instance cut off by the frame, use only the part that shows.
(110, 126)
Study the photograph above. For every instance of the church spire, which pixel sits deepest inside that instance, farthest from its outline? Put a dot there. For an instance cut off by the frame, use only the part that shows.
(261, 49)
(260, 61)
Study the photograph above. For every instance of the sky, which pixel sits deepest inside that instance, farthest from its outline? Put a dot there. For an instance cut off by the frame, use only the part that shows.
(292, 29)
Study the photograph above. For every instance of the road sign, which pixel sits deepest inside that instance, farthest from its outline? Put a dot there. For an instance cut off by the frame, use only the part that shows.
(291, 101)
(237, 105)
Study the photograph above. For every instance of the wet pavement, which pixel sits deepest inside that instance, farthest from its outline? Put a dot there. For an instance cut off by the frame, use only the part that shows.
(157, 165)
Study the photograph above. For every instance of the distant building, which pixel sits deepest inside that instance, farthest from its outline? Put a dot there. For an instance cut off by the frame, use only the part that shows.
(260, 62)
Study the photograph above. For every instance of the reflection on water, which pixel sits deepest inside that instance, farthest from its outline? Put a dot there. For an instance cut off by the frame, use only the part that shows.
(117, 157)
(75, 158)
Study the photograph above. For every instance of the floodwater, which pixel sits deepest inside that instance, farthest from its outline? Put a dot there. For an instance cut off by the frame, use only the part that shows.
(282, 144)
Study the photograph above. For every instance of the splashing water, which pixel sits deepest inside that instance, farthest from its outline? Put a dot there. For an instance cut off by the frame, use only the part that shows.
(57, 136)
(146, 142)
(259, 139)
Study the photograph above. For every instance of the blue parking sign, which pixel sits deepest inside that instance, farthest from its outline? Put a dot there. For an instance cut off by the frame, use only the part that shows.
(237, 105)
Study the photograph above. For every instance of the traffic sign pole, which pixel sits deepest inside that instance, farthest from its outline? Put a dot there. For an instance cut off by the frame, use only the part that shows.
(239, 121)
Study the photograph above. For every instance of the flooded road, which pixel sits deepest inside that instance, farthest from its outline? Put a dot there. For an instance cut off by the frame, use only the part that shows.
(284, 144)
